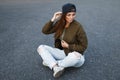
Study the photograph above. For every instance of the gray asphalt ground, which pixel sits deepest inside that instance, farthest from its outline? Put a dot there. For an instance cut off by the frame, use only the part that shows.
(20, 35)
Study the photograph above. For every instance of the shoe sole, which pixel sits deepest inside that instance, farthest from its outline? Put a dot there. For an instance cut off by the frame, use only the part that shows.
(58, 74)
(44, 64)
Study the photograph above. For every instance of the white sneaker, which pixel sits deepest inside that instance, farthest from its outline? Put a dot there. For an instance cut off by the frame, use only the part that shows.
(58, 71)
(44, 63)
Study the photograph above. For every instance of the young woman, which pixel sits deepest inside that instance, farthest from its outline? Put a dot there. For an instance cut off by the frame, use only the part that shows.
(70, 41)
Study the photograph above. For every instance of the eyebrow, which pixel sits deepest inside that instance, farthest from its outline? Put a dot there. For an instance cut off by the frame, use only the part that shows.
(71, 14)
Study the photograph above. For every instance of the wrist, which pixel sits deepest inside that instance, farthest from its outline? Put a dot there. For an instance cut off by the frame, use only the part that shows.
(53, 19)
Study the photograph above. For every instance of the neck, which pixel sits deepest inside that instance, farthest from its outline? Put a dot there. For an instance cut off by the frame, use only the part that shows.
(67, 25)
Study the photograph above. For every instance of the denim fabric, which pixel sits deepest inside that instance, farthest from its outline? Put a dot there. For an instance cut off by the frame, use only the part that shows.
(52, 56)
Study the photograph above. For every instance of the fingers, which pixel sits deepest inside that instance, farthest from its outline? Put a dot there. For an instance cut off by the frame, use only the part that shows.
(56, 15)
(62, 40)
(64, 44)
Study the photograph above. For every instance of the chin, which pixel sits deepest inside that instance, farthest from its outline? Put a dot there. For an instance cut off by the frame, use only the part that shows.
(70, 21)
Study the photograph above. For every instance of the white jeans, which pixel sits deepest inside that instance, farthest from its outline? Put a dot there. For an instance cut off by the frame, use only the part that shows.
(52, 56)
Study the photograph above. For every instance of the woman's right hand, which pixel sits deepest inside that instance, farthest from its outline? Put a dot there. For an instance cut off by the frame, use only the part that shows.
(56, 16)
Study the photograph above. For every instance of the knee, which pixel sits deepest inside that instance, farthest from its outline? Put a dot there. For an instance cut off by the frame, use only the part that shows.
(80, 59)
(77, 55)
(40, 48)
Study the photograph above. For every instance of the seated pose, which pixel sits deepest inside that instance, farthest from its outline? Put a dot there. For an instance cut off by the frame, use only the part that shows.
(70, 41)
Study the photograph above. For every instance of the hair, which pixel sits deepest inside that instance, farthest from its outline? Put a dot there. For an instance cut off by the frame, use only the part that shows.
(59, 26)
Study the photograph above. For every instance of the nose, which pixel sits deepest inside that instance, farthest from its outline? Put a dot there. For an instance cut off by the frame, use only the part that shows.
(71, 17)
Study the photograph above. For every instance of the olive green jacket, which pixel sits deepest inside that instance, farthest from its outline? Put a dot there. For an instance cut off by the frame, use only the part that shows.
(74, 35)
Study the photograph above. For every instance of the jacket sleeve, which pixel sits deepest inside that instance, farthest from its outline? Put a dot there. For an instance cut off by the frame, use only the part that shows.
(81, 42)
(48, 28)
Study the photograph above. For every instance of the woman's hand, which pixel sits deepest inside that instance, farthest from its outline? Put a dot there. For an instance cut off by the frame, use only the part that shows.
(56, 16)
(64, 44)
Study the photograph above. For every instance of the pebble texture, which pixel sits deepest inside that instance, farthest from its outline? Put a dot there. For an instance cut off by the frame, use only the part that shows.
(21, 22)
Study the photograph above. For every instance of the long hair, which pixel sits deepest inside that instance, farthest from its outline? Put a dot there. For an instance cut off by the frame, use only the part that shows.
(59, 27)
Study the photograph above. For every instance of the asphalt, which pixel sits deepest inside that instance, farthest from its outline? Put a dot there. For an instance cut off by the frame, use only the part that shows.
(20, 35)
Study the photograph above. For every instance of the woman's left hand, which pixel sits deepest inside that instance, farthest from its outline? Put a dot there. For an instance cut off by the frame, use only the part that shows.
(64, 44)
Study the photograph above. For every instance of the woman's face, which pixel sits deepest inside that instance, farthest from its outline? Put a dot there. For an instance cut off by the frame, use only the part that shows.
(70, 17)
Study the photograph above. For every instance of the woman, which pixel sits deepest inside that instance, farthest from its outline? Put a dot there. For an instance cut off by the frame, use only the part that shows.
(70, 41)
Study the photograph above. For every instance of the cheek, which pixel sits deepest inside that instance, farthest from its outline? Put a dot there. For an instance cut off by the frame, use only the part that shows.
(74, 16)
(67, 18)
